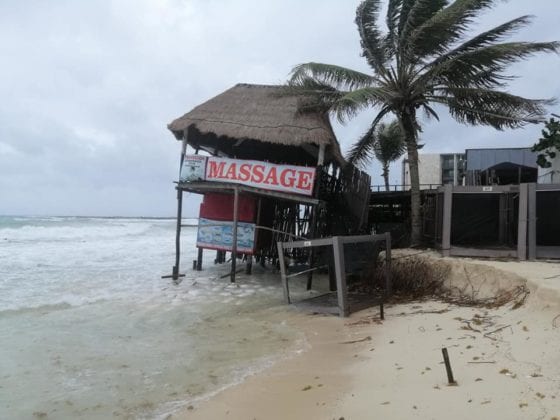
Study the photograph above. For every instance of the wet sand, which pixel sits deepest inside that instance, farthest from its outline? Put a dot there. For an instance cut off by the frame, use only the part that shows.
(505, 361)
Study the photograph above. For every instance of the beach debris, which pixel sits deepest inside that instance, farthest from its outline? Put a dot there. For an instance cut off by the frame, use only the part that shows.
(488, 334)
(478, 379)
(40, 414)
(523, 405)
(483, 361)
(541, 396)
(386, 403)
(525, 328)
(306, 388)
(505, 371)
(451, 380)
(554, 321)
(361, 340)
(485, 402)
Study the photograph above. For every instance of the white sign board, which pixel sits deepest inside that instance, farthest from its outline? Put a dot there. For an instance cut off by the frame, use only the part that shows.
(193, 169)
(265, 175)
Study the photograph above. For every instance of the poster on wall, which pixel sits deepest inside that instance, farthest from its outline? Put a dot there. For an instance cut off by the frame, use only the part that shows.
(193, 169)
(213, 234)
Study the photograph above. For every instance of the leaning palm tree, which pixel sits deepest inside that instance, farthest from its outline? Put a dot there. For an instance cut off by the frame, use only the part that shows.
(424, 59)
(386, 143)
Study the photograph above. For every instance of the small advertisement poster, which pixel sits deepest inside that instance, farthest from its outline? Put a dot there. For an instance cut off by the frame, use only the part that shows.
(213, 234)
(193, 169)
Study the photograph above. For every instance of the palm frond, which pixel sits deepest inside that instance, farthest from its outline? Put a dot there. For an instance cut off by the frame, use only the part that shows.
(336, 76)
(361, 151)
(482, 67)
(421, 11)
(489, 107)
(371, 39)
(437, 34)
(351, 103)
(390, 144)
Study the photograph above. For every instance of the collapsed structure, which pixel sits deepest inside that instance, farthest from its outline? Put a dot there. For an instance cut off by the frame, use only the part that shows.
(268, 173)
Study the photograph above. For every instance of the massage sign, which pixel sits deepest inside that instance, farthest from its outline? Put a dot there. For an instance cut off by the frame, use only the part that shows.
(264, 175)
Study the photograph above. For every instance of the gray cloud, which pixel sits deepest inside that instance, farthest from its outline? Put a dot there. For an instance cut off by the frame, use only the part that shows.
(88, 88)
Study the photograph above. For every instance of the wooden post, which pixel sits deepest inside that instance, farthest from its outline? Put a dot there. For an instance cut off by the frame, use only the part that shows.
(234, 233)
(448, 367)
(175, 274)
(340, 270)
(446, 229)
(532, 220)
(522, 223)
(283, 272)
(199, 259)
(249, 265)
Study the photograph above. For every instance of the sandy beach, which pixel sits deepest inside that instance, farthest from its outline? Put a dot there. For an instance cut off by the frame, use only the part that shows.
(505, 361)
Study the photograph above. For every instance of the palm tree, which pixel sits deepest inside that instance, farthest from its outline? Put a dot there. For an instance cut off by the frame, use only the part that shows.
(387, 144)
(424, 59)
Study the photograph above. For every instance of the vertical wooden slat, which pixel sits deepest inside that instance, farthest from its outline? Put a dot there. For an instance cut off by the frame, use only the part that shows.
(522, 222)
(234, 233)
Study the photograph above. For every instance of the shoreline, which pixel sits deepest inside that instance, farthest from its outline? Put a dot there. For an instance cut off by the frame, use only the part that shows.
(358, 367)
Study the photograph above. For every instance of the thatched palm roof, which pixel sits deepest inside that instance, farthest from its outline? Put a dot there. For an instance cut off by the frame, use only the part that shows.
(258, 114)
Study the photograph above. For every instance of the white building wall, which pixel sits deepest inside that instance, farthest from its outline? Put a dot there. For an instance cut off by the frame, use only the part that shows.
(429, 166)
(550, 175)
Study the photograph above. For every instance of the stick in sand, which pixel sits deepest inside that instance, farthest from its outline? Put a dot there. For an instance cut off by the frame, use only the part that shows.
(448, 367)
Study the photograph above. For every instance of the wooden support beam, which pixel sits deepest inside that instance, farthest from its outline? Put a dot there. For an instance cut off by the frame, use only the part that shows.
(199, 259)
(522, 222)
(175, 271)
(340, 270)
(282, 264)
(234, 233)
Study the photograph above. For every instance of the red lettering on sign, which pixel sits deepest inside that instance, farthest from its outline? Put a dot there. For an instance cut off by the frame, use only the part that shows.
(304, 181)
(231, 172)
(258, 173)
(244, 172)
(216, 170)
(272, 177)
(288, 178)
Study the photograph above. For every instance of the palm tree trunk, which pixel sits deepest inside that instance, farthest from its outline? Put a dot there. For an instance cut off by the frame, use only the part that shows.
(386, 175)
(407, 119)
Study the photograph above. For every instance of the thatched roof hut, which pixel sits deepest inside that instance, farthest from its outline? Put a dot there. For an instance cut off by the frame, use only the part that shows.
(255, 122)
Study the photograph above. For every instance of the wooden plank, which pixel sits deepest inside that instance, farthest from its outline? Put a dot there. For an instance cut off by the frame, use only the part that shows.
(447, 212)
(340, 270)
(234, 233)
(532, 220)
(309, 243)
(202, 187)
(522, 223)
(175, 272)
(458, 251)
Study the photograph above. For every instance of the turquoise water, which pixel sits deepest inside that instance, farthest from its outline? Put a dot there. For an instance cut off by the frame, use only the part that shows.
(90, 330)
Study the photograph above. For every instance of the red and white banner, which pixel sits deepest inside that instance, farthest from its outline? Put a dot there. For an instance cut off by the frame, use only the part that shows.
(265, 175)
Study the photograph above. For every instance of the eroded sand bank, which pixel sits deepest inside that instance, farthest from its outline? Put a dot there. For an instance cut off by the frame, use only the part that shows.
(505, 360)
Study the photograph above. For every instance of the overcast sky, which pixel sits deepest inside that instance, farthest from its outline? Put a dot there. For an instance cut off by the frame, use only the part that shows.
(88, 88)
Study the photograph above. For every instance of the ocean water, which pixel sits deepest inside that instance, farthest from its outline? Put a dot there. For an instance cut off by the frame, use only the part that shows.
(89, 329)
